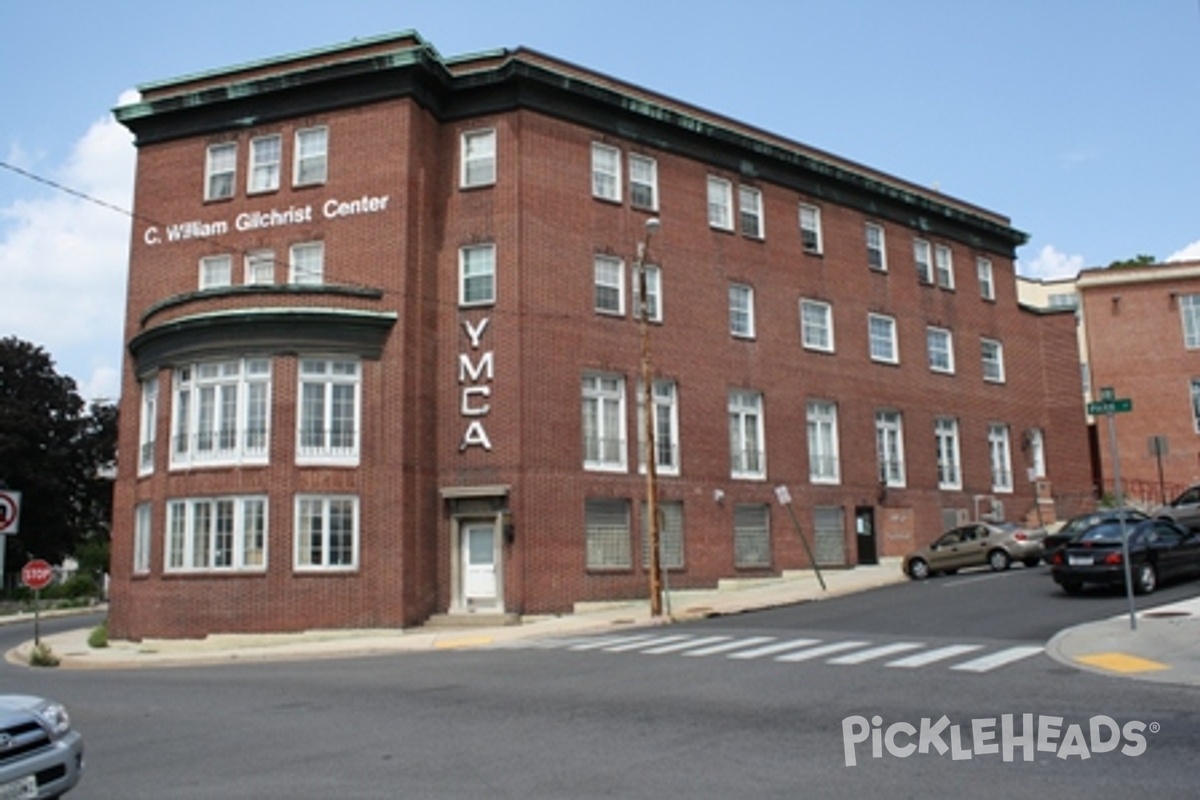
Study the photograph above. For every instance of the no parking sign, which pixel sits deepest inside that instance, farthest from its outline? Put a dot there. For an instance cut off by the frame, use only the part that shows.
(10, 512)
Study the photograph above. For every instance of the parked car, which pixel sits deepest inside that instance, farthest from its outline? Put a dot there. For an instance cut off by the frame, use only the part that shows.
(1075, 526)
(41, 755)
(1159, 550)
(975, 545)
(1184, 509)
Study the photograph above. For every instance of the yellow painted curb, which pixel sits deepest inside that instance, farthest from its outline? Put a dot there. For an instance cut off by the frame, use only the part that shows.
(1122, 662)
(473, 641)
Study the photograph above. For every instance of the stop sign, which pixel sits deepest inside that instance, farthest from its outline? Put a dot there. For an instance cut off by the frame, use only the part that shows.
(37, 574)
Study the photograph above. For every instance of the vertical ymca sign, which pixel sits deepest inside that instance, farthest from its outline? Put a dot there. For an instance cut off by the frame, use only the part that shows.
(10, 512)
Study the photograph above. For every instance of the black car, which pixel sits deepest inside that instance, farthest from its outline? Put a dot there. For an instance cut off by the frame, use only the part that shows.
(1159, 550)
(1075, 527)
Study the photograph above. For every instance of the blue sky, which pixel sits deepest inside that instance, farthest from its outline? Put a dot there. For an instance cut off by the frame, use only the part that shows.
(1077, 119)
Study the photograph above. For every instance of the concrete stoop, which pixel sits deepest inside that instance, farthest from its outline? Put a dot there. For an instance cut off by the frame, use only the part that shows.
(442, 622)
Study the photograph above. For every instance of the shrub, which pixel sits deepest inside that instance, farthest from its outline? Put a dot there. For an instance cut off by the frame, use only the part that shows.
(99, 636)
(42, 656)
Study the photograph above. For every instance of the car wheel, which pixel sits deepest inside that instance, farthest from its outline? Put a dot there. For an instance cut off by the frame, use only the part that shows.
(918, 569)
(1072, 587)
(1031, 562)
(998, 560)
(1145, 579)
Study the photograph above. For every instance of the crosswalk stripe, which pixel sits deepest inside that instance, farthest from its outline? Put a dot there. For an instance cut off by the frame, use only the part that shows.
(596, 644)
(772, 649)
(727, 646)
(823, 650)
(870, 654)
(622, 648)
(931, 656)
(989, 662)
(685, 645)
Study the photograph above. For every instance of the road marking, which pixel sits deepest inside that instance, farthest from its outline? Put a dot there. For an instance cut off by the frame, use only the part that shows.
(931, 656)
(772, 649)
(1121, 662)
(999, 659)
(873, 653)
(823, 650)
(462, 642)
(727, 646)
(598, 643)
(686, 645)
(621, 648)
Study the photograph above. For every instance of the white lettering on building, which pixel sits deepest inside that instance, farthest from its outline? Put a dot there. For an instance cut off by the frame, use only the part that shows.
(475, 376)
(260, 220)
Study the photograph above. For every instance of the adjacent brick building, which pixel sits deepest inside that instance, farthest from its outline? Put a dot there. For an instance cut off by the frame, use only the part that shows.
(385, 336)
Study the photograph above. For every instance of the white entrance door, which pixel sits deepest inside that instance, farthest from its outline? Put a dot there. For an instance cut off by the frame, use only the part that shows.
(479, 563)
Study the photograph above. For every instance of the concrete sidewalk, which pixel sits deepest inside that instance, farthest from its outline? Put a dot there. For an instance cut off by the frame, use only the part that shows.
(1164, 648)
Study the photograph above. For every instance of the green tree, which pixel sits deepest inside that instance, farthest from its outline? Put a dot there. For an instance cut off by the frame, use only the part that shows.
(55, 450)
(1140, 260)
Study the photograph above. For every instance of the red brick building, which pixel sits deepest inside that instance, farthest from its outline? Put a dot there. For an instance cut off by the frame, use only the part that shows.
(1143, 339)
(385, 344)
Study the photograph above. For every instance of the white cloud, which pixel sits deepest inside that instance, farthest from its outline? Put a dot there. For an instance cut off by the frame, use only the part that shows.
(64, 259)
(1050, 264)
(1190, 252)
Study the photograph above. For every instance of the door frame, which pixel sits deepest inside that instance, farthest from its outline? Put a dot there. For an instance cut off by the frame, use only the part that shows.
(459, 602)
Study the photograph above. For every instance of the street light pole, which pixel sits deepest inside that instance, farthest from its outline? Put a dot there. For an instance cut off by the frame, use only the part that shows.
(652, 225)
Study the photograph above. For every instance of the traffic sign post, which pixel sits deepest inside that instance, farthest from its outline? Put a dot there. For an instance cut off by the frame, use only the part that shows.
(1110, 405)
(37, 575)
(10, 520)
(785, 499)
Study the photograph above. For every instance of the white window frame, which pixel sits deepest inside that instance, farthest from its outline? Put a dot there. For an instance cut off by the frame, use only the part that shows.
(810, 229)
(195, 540)
(311, 159)
(987, 281)
(1037, 452)
(643, 182)
(143, 534)
(653, 293)
(221, 413)
(328, 411)
(220, 171)
(949, 456)
(266, 157)
(1189, 314)
(816, 325)
(943, 266)
(148, 426)
(824, 463)
(939, 344)
(1194, 387)
(747, 439)
(876, 242)
(477, 266)
(992, 358)
(606, 172)
(260, 268)
(720, 203)
(883, 342)
(608, 278)
(889, 448)
(666, 426)
(741, 310)
(1000, 457)
(751, 217)
(603, 420)
(317, 557)
(306, 264)
(478, 160)
(923, 259)
(216, 272)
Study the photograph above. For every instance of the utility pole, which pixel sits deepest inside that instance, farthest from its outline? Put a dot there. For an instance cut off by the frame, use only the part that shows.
(652, 225)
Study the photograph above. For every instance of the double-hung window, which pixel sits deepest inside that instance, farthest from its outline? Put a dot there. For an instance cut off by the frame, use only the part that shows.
(143, 534)
(945, 431)
(876, 247)
(217, 534)
(923, 260)
(823, 464)
(477, 275)
(748, 458)
(1000, 455)
(882, 332)
(992, 353)
(260, 267)
(1189, 313)
(652, 276)
(643, 182)
(609, 280)
(940, 344)
(216, 271)
(664, 397)
(1195, 391)
(889, 448)
(307, 264)
(816, 325)
(330, 411)
(220, 413)
(312, 156)
(606, 172)
(741, 311)
(750, 212)
(720, 203)
(987, 286)
(148, 426)
(1037, 452)
(604, 422)
(810, 229)
(265, 155)
(327, 533)
(943, 266)
(220, 171)
(478, 158)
